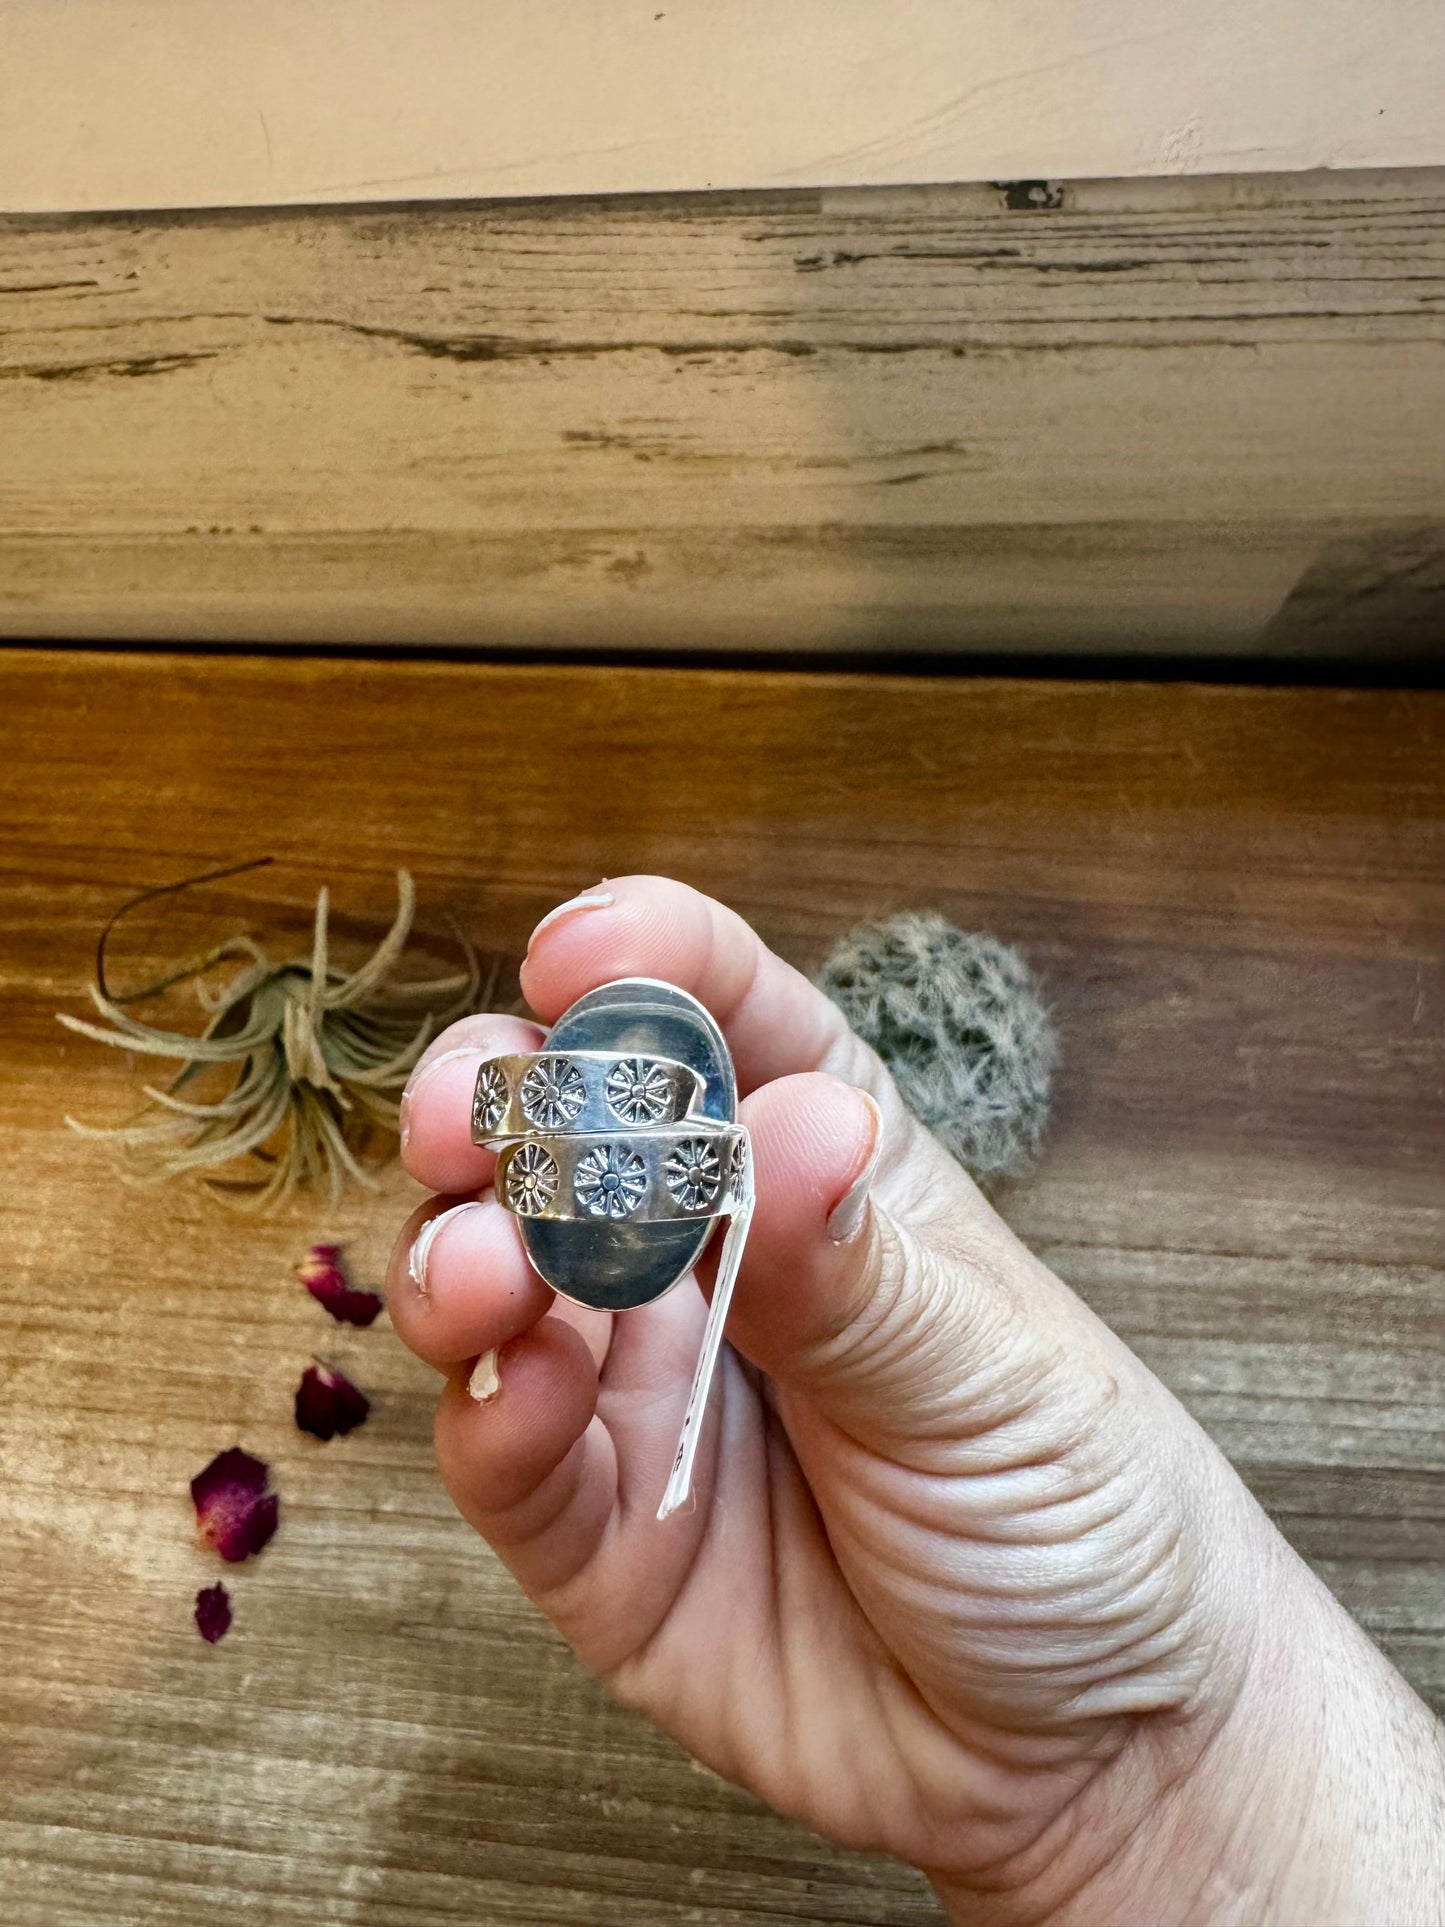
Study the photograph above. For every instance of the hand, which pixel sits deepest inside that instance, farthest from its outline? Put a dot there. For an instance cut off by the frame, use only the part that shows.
(962, 1581)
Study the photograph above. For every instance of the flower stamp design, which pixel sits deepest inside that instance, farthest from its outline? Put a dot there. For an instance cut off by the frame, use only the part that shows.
(531, 1181)
(638, 1091)
(693, 1174)
(610, 1181)
(553, 1093)
(489, 1106)
(738, 1166)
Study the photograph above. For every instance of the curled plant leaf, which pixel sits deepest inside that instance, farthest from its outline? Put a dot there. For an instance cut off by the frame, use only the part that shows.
(319, 1058)
(328, 1404)
(235, 1514)
(324, 1275)
(213, 1613)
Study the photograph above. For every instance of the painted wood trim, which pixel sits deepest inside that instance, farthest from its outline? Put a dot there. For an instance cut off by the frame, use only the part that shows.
(1168, 416)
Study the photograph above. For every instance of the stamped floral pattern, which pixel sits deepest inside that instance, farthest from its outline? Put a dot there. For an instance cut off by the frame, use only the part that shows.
(490, 1104)
(531, 1182)
(553, 1093)
(738, 1165)
(610, 1181)
(693, 1174)
(638, 1091)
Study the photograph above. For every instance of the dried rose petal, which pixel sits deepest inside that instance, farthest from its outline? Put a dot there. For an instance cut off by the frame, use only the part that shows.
(235, 1514)
(327, 1403)
(324, 1276)
(213, 1613)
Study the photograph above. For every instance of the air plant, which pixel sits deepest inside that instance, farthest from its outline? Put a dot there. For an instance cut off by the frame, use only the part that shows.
(320, 1057)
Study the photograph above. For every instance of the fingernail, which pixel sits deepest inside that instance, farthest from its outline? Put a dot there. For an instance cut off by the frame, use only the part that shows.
(845, 1220)
(589, 900)
(422, 1075)
(416, 1259)
(484, 1382)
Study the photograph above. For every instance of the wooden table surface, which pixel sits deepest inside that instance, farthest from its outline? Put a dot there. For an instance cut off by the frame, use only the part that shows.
(1237, 897)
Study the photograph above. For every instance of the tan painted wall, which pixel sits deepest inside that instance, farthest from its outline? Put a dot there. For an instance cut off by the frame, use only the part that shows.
(252, 102)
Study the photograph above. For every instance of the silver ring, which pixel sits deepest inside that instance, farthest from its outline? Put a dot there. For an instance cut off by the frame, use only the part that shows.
(579, 1090)
(618, 1153)
(610, 1139)
(696, 1170)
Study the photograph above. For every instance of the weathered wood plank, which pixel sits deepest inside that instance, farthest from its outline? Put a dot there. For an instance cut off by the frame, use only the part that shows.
(1188, 416)
(1238, 900)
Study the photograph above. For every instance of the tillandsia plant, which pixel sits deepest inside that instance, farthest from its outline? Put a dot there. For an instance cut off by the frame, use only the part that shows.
(319, 1058)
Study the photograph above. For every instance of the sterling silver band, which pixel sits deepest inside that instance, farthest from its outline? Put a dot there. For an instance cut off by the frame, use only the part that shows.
(606, 1137)
(695, 1170)
(579, 1090)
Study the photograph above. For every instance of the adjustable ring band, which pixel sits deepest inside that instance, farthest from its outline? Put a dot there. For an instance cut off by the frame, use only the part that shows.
(580, 1091)
(698, 1170)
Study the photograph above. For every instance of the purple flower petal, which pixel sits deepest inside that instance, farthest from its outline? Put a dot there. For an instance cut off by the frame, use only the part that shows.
(235, 1515)
(213, 1613)
(324, 1276)
(327, 1403)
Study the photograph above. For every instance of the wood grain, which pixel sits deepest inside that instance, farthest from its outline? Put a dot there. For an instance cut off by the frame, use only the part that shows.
(222, 103)
(1237, 898)
(1178, 417)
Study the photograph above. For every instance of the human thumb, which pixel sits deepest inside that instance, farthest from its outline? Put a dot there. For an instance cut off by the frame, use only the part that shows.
(880, 1284)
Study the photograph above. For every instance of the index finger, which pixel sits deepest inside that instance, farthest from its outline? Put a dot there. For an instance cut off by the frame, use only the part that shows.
(776, 1022)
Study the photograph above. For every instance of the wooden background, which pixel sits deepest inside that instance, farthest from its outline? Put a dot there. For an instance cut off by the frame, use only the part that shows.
(1237, 898)
(1180, 416)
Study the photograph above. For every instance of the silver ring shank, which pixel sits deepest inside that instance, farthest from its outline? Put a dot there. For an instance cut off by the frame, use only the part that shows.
(563, 1092)
(696, 1170)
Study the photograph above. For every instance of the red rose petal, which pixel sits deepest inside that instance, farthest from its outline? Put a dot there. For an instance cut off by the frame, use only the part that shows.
(327, 1403)
(235, 1515)
(213, 1613)
(324, 1276)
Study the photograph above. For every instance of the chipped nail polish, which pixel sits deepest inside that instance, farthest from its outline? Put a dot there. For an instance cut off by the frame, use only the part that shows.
(846, 1218)
(422, 1074)
(589, 900)
(484, 1382)
(416, 1259)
